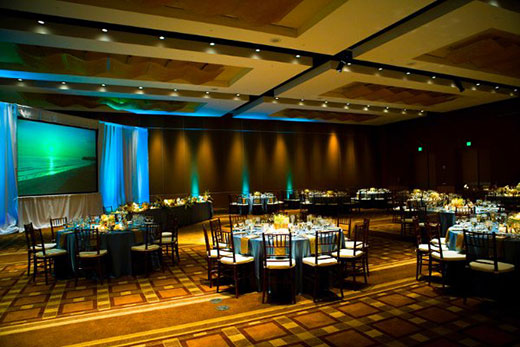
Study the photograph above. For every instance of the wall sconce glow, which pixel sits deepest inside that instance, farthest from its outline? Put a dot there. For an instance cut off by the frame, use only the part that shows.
(419, 149)
(194, 180)
(289, 187)
(245, 181)
(468, 143)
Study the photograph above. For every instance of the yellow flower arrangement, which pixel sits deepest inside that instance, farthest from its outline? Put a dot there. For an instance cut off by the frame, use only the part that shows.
(281, 221)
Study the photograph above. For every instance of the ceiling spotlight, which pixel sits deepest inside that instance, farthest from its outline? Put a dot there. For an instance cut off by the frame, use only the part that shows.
(104, 30)
(434, 77)
(41, 22)
(298, 56)
(340, 66)
(103, 85)
(212, 43)
(20, 80)
(477, 84)
(380, 69)
(63, 82)
(140, 87)
(161, 37)
(257, 50)
(408, 72)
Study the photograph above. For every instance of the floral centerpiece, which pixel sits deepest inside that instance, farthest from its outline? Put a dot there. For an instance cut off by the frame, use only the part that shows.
(107, 222)
(281, 221)
(513, 223)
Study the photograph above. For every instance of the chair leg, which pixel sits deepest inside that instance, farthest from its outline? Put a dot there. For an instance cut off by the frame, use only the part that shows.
(340, 275)
(430, 270)
(218, 276)
(235, 278)
(28, 263)
(315, 289)
(45, 269)
(35, 269)
(210, 267)
(264, 289)
(354, 270)
(364, 264)
(161, 259)
(366, 256)
(418, 265)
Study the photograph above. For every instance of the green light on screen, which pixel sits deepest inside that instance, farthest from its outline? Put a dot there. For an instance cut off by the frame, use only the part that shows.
(468, 144)
(419, 149)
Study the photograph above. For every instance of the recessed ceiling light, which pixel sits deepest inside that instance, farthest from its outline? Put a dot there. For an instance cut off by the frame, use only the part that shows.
(212, 43)
(380, 69)
(161, 37)
(63, 82)
(408, 72)
(20, 80)
(298, 56)
(434, 77)
(257, 50)
(103, 85)
(140, 87)
(104, 30)
(41, 22)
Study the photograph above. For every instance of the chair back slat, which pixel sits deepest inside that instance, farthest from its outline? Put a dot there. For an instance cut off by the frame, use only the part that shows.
(481, 246)
(236, 219)
(343, 222)
(434, 233)
(57, 224)
(326, 244)
(277, 247)
(221, 240)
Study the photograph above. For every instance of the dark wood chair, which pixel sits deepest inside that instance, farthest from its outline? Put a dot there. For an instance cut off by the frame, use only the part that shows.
(326, 250)
(345, 223)
(56, 225)
(43, 257)
(148, 248)
(239, 265)
(482, 258)
(31, 254)
(355, 255)
(88, 253)
(236, 219)
(440, 256)
(169, 238)
(277, 258)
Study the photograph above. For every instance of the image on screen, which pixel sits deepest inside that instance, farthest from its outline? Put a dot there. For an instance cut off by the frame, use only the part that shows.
(55, 159)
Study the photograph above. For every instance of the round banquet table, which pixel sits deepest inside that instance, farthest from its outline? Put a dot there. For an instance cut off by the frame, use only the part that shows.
(117, 243)
(300, 247)
(508, 248)
(447, 218)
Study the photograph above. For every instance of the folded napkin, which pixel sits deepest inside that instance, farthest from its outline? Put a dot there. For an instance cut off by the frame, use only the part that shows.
(244, 244)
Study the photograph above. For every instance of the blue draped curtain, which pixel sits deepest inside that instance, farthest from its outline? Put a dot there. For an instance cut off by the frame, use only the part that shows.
(8, 189)
(124, 165)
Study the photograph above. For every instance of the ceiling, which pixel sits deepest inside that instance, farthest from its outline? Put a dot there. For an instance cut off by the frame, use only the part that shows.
(368, 62)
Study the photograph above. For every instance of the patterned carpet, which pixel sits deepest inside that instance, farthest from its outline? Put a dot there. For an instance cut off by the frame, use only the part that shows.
(177, 307)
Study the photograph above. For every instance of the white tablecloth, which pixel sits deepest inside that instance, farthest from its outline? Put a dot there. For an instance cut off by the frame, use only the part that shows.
(40, 209)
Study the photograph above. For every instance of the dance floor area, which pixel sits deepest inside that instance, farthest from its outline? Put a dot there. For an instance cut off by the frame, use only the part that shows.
(178, 308)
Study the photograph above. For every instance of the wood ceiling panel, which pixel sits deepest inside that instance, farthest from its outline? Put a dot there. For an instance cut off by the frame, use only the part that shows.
(86, 63)
(491, 50)
(389, 94)
(324, 115)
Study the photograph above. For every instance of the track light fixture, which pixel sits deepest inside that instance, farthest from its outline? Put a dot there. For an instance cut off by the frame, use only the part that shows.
(341, 65)
(459, 85)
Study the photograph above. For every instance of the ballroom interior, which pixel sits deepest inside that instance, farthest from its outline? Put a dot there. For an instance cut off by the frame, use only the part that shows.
(259, 173)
